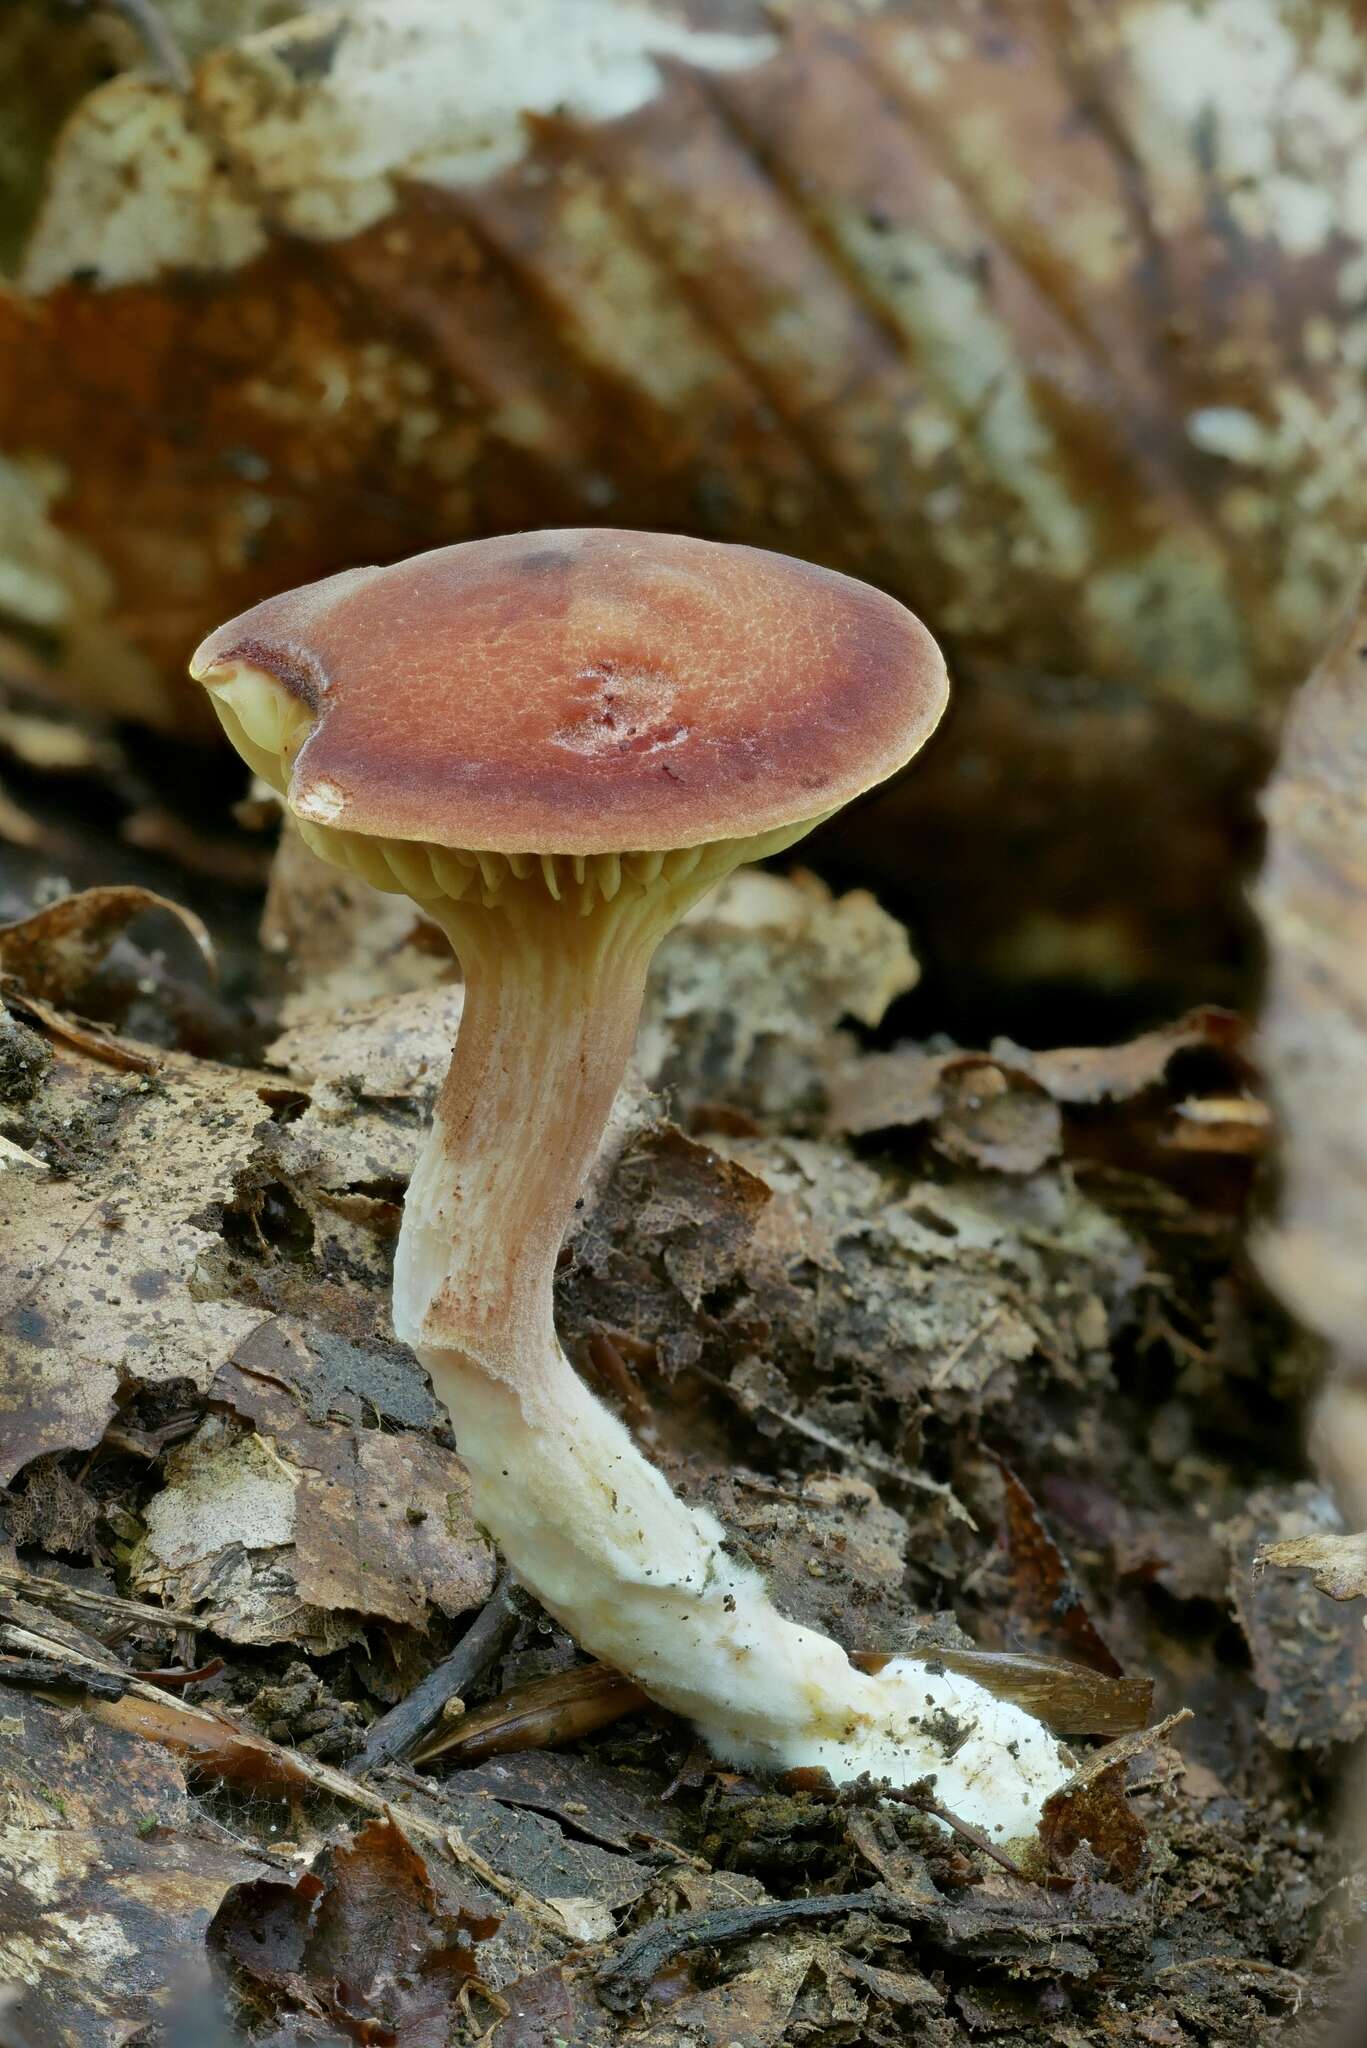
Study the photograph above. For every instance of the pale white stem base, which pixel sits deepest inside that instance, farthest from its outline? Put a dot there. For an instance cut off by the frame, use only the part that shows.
(645, 1582)
(639, 1578)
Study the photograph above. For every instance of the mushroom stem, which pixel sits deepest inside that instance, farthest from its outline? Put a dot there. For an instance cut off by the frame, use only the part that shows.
(638, 1577)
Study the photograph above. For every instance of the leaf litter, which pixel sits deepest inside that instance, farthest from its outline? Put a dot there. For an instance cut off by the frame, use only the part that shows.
(950, 1390)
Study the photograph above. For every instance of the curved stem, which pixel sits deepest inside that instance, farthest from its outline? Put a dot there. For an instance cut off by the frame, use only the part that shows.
(639, 1578)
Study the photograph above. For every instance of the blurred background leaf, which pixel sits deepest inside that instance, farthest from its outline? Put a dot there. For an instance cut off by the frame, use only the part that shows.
(1051, 319)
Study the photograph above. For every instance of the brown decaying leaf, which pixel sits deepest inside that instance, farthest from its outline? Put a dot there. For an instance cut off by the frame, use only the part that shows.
(1339, 1563)
(219, 1747)
(1098, 1814)
(610, 309)
(1309, 1658)
(1045, 1598)
(1092, 1807)
(559, 1708)
(53, 953)
(1000, 1109)
(98, 1280)
(16, 825)
(107, 1879)
(47, 961)
(312, 1511)
(1072, 1699)
(368, 1938)
(91, 1039)
(13, 1156)
(345, 950)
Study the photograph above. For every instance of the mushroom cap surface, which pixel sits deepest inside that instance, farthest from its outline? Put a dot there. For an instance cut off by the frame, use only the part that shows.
(588, 691)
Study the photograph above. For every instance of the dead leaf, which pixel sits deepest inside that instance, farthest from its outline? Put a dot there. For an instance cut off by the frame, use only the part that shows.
(1117, 1073)
(373, 1939)
(1339, 1563)
(102, 1282)
(558, 1708)
(1309, 1659)
(55, 745)
(344, 948)
(91, 1039)
(1072, 1699)
(954, 1091)
(746, 994)
(296, 1530)
(109, 1878)
(1045, 1596)
(393, 1048)
(53, 953)
(754, 2006)
(604, 248)
(16, 824)
(1313, 903)
(1092, 1808)
(1097, 1813)
(12, 1156)
(552, 2006)
(595, 1801)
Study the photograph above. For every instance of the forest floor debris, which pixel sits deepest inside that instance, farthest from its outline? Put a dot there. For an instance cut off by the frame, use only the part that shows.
(994, 1390)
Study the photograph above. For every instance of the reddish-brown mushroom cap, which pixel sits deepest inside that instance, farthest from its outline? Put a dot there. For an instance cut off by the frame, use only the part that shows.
(590, 691)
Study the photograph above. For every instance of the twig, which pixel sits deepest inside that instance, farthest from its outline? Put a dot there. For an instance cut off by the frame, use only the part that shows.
(941, 1372)
(622, 1982)
(47, 1592)
(923, 1800)
(155, 1715)
(536, 1715)
(398, 1733)
(42, 1673)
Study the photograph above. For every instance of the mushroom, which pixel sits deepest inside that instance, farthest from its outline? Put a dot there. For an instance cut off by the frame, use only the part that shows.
(555, 743)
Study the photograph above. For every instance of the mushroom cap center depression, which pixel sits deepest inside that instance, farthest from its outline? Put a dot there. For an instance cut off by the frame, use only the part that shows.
(588, 692)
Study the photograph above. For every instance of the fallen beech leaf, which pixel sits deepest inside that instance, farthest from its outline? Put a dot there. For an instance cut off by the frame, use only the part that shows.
(1115, 1073)
(98, 1044)
(55, 745)
(1220, 1123)
(98, 1281)
(993, 1119)
(16, 825)
(751, 271)
(346, 950)
(1092, 1806)
(590, 1799)
(48, 962)
(549, 254)
(1339, 1563)
(174, 1680)
(301, 1527)
(1097, 1812)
